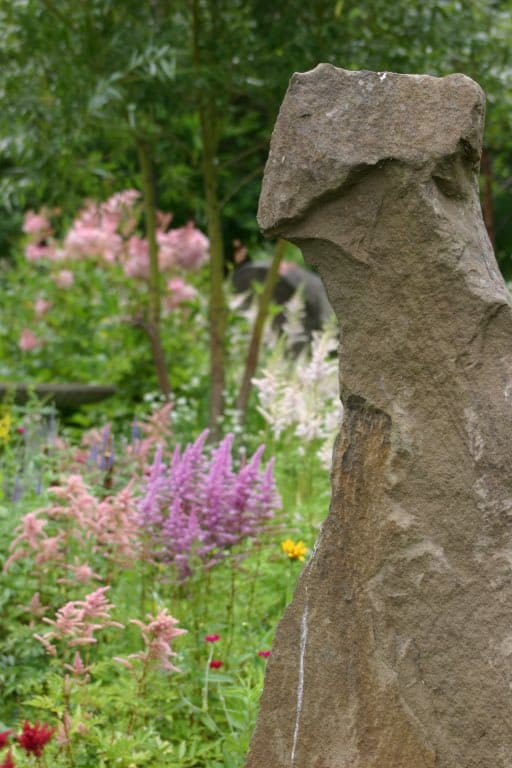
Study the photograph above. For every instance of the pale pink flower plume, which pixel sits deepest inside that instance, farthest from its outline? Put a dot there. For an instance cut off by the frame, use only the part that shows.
(49, 549)
(39, 230)
(157, 634)
(136, 262)
(73, 487)
(64, 278)
(116, 528)
(111, 523)
(78, 668)
(83, 572)
(35, 607)
(36, 224)
(61, 736)
(157, 429)
(36, 251)
(179, 291)
(28, 340)
(18, 554)
(77, 621)
(97, 606)
(185, 246)
(29, 530)
(98, 229)
(41, 307)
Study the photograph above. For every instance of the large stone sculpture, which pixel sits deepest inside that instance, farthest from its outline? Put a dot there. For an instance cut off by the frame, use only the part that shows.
(396, 651)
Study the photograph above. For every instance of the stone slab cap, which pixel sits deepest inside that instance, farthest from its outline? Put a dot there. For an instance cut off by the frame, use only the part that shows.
(334, 121)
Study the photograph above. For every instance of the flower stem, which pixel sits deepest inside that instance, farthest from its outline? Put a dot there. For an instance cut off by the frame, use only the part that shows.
(206, 680)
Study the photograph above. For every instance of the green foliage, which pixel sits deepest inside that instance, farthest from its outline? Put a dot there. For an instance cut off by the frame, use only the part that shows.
(198, 717)
(82, 80)
(90, 332)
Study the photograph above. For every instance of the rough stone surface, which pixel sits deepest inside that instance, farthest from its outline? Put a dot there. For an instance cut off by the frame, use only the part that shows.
(396, 651)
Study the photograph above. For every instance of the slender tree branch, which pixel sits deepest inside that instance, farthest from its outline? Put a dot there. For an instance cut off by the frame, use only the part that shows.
(251, 361)
(152, 325)
(241, 184)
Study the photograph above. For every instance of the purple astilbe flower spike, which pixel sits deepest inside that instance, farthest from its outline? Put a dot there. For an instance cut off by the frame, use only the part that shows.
(198, 506)
(149, 512)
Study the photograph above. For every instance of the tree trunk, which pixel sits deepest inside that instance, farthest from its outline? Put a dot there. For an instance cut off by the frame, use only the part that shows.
(251, 361)
(208, 118)
(152, 324)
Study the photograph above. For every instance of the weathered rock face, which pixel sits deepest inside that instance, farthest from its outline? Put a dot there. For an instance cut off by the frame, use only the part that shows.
(396, 651)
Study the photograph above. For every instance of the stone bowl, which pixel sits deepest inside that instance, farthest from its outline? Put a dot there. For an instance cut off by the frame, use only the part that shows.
(65, 397)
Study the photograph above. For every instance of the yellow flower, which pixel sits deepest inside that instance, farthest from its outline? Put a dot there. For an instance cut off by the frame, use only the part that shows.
(295, 551)
(5, 427)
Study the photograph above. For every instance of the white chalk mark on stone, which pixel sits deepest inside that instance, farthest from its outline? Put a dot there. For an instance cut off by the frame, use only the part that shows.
(300, 686)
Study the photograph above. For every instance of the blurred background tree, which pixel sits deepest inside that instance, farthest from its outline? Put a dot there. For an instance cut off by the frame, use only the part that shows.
(179, 99)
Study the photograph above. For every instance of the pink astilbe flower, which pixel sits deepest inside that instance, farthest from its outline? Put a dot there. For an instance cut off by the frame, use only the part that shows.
(94, 232)
(78, 668)
(28, 340)
(35, 607)
(114, 526)
(179, 291)
(188, 246)
(136, 262)
(157, 633)
(110, 525)
(36, 224)
(49, 549)
(77, 621)
(64, 278)
(97, 606)
(31, 534)
(157, 425)
(34, 252)
(41, 307)
(39, 231)
(30, 530)
(81, 573)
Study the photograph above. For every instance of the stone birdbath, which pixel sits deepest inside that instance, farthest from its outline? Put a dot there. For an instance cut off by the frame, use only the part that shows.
(65, 397)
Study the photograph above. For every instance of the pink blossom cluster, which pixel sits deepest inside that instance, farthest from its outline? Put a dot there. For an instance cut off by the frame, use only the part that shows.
(157, 633)
(109, 525)
(101, 229)
(39, 231)
(28, 340)
(76, 623)
(107, 231)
